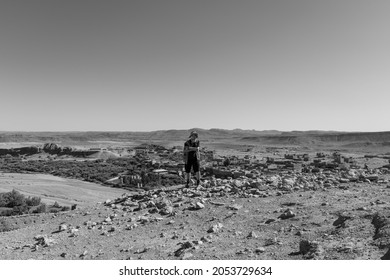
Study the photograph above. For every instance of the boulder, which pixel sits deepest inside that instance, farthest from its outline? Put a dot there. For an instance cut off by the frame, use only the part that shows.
(287, 214)
(311, 249)
(51, 148)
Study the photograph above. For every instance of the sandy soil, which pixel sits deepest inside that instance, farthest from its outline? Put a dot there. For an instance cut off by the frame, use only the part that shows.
(51, 188)
(338, 221)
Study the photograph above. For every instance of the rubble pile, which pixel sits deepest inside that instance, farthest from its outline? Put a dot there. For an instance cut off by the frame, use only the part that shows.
(152, 166)
(263, 185)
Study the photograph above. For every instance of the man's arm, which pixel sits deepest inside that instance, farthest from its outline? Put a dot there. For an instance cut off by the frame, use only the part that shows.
(196, 149)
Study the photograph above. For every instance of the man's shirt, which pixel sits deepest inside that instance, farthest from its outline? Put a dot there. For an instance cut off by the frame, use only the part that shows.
(191, 155)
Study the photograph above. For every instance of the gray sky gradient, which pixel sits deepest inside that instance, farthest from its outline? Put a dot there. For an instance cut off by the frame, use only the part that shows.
(177, 64)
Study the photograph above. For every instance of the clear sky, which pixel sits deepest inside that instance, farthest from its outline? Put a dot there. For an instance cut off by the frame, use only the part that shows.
(76, 65)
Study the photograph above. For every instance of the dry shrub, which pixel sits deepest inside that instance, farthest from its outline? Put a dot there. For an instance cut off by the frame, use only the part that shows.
(5, 225)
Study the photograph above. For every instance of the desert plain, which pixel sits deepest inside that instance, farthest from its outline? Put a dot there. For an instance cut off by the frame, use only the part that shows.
(264, 195)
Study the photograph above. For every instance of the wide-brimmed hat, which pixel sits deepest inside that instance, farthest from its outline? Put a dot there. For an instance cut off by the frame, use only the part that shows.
(193, 133)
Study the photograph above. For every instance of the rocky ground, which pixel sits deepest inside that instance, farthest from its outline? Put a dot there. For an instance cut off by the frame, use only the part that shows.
(335, 214)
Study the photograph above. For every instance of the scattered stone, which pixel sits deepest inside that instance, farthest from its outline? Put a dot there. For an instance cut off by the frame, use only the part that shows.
(259, 250)
(340, 222)
(378, 201)
(43, 240)
(126, 250)
(235, 207)
(347, 247)
(183, 249)
(271, 241)
(252, 234)
(143, 219)
(130, 227)
(141, 251)
(386, 256)
(311, 249)
(163, 203)
(206, 239)
(215, 228)
(167, 210)
(217, 203)
(381, 223)
(186, 256)
(112, 229)
(73, 232)
(82, 255)
(199, 205)
(62, 227)
(177, 204)
(175, 235)
(287, 214)
(269, 221)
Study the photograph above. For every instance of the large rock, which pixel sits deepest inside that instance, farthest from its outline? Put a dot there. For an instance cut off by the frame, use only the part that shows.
(386, 256)
(311, 249)
(221, 173)
(43, 240)
(287, 214)
(51, 148)
(215, 228)
(343, 217)
(381, 223)
(288, 181)
(274, 180)
(163, 203)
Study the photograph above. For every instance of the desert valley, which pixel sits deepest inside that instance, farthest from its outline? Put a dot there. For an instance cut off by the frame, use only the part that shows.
(263, 195)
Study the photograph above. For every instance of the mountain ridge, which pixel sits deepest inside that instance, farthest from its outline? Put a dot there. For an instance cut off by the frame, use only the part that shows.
(265, 136)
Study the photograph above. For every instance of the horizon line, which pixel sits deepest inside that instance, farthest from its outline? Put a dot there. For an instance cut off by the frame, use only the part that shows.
(164, 130)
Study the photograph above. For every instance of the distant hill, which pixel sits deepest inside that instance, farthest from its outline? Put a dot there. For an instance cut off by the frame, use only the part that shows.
(320, 137)
(172, 134)
(260, 137)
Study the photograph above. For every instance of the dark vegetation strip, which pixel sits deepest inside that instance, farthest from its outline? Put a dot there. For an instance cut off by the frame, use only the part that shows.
(97, 171)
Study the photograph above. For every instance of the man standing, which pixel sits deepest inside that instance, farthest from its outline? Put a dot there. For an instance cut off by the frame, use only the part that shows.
(192, 157)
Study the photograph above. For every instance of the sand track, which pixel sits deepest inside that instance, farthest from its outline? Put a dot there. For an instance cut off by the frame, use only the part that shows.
(51, 188)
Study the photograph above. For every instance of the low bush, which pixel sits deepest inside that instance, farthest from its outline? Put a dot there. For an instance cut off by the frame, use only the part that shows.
(54, 210)
(12, 199)
(56, 205)
(4, 211)
(65, 208)
(42, 208)
(14, 203)
(5, 225)
(33, 201)
(20, 209)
